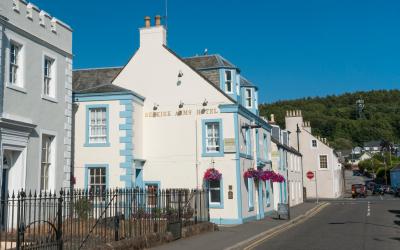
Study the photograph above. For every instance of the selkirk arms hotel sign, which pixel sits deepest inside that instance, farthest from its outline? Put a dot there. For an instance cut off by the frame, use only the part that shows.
(181, 112)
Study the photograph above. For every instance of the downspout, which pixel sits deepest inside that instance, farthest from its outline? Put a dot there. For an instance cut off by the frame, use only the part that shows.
(2, 53)
(197, 156)
(255, 134)
(298, 131)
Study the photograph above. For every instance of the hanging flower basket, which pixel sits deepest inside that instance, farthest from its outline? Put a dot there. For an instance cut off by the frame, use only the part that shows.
(267, 175)
(278, 178)
(252, 173)
(212, 174)
(263, 175)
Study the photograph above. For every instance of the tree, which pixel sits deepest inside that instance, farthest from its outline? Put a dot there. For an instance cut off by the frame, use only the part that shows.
(333, 117)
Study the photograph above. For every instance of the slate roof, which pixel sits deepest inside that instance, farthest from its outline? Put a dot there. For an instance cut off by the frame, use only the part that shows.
(246, 83)
(208, 62)
(372, 144)
(288, 148)
(102, 88)
(83, 79)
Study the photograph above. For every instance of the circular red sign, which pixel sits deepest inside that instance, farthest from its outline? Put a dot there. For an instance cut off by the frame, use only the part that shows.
(310, 175)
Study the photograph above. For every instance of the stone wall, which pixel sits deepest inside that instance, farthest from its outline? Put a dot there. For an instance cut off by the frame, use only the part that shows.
(154, 239)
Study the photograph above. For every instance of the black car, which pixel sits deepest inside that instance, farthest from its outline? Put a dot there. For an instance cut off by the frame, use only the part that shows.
(396, 192)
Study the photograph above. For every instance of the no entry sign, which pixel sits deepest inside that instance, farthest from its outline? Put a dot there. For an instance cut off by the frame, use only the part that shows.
(310, 175)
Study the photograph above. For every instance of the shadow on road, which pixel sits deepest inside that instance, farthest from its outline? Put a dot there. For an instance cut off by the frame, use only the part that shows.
(395, 238)
(394, 211)
(397, 222)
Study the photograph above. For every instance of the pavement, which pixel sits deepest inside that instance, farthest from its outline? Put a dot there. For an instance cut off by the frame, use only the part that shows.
(363, 223)
(232, 236)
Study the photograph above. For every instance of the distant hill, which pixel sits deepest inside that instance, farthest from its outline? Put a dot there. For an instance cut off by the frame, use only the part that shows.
(335, 117)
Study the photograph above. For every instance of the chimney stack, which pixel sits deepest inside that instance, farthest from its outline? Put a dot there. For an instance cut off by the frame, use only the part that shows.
(153, 36)
(147, 23)
(272, 119)
(158, 20)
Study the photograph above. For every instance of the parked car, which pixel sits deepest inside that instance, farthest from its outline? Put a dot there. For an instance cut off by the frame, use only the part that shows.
(397, 192)
(389, 190)
(358, 190)
(378, 189)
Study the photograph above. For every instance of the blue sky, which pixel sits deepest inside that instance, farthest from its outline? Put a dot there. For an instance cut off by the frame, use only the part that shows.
(289, 48)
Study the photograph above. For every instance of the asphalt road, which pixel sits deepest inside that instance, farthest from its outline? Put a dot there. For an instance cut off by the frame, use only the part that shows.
(370, 223)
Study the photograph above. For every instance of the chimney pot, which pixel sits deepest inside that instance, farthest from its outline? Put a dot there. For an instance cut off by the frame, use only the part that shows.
(272, 118)
(147, 22)
(158, 20)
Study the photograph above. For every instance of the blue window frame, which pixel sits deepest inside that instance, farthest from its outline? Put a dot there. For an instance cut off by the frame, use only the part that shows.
(215, 194)
(265, 146)
(212, 138)
(250, 186)
(268, 193)
(96, 176)
(97, 126)
(248, 142)
(285, 192)
(257, 145)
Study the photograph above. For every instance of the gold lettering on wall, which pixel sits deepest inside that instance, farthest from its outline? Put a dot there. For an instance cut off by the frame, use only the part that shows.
(184, 112)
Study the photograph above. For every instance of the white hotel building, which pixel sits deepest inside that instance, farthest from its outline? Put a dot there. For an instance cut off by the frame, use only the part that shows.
(161, 121)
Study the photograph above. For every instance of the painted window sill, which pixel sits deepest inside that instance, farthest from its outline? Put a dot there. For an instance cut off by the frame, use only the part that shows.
(17, 88)
(242, 155)
(220, 154)
(97, 144)
(218, 206)
(49, 98)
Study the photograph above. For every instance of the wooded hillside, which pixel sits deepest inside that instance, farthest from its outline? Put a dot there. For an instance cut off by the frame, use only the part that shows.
(335, 117)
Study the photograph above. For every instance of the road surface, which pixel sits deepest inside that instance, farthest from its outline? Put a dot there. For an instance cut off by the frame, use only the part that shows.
(364, 223)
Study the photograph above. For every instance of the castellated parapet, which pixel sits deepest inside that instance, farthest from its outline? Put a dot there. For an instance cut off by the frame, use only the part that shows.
(20, 14)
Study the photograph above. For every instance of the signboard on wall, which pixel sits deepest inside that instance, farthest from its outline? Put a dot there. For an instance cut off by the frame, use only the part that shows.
(229, 145)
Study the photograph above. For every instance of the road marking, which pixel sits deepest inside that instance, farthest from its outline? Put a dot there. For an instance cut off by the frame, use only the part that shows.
(381, 197)
(282, 228)
(369, 209)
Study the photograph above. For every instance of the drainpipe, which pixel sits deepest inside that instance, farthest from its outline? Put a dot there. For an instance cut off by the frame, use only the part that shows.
(298, 131)
(197, 155)
(2, 83)
(257, 209)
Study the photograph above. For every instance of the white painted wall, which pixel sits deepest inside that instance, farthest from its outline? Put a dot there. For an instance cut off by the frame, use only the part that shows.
(330, 180)
(99, 155)
(172, 143)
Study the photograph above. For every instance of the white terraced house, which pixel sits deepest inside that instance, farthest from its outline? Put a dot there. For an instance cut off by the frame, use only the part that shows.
(35, 99)
(318, 158)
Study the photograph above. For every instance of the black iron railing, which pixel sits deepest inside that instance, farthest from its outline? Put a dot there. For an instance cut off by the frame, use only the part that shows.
(81, 219)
